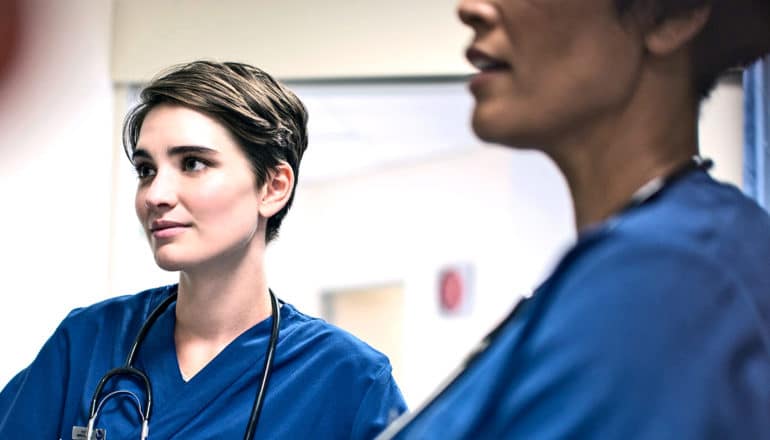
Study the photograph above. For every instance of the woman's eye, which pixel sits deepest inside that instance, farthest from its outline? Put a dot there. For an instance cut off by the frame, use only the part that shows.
(193, 164)
(144, 171)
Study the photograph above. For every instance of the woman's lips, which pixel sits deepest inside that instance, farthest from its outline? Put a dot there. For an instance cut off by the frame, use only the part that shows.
(168, 232)
(489, 67)
(484, 62)
(167, 228)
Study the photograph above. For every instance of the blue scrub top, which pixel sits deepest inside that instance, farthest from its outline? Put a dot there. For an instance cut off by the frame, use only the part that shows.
(656, 325)
(325, 383)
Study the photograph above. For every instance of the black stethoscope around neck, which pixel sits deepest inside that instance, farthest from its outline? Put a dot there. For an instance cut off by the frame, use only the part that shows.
(128, 369)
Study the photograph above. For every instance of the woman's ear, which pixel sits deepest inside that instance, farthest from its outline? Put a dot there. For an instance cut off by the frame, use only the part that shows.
(675, 32)
(276, 190)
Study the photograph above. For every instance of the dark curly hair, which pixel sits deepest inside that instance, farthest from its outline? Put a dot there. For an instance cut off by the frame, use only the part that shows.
(267, 119)
(737, 33)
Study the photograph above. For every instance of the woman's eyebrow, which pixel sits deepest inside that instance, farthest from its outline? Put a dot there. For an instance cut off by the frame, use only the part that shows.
(175, 151)
(187, 149)
(140, 153)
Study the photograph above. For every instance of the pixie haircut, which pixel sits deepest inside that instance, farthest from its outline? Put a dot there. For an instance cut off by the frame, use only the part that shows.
(736, 34)
(267, 119)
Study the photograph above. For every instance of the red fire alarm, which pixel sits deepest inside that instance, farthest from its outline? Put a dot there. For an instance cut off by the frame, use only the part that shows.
(454, 289)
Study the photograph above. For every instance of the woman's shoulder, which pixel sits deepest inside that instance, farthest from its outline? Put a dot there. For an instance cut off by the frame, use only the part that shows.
(698, 220)
(698, 244)
(697, 236)
(119, 308)
(306, 331)
(697, 208)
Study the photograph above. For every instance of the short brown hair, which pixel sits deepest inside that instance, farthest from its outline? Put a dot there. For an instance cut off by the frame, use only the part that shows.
(267, 119)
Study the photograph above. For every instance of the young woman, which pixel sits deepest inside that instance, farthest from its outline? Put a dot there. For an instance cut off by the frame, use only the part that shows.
(217, 149)
(656, 324)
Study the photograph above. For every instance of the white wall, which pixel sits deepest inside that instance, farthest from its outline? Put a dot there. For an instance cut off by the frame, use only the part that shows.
(291, 38)
(505, 212)
(721, 131)
(55, 132)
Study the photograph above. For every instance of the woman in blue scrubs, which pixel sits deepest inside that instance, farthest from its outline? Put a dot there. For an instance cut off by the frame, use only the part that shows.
(216, 148)
(656, 324)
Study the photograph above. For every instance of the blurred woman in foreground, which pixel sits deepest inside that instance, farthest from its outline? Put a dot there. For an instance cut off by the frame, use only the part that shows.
(656, 324)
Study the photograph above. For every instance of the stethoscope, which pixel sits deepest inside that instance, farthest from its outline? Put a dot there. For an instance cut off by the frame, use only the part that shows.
(129, 370)
(641, 196)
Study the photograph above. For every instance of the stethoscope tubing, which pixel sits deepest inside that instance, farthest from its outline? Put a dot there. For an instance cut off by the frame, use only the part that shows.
(130, 370)
(256, 409)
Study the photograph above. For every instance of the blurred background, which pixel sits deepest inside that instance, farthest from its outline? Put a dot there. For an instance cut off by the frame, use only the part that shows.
(406, 230)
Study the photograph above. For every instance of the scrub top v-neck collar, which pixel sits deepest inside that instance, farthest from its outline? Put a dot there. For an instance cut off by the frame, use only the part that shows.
(158, 358)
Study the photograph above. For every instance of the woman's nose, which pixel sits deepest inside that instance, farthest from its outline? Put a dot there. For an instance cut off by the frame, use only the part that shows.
(161, 192)
(478, 14)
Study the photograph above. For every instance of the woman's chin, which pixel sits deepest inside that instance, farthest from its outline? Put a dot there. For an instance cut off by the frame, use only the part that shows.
(493, 134)
(495, 130)
(169, 267)
(168, 263)
(489, 126)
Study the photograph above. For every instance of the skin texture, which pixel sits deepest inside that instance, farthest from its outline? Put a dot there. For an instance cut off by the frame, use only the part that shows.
(609, 99)
(571, 63)
(210, 192)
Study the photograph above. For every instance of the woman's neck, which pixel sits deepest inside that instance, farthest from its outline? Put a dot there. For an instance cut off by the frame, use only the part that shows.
(604, 165)
(215, 305)
(221, 301)
(602, 188)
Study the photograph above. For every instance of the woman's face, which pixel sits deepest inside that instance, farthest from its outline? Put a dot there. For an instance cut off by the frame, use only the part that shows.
(197, 197)
(549, 69)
